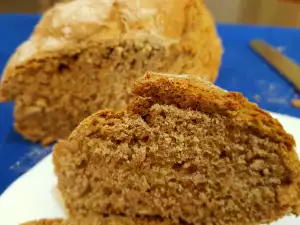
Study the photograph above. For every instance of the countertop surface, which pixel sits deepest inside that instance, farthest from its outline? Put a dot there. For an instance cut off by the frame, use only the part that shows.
(242, 71)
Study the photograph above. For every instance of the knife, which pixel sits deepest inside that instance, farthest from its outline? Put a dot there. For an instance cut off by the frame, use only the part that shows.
(288, 68)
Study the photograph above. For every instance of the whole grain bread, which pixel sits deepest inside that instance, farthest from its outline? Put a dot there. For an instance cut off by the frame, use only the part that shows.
(85, 54)
(183, 150)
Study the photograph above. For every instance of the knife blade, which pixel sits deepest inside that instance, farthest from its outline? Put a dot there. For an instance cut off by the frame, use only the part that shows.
(285, 66)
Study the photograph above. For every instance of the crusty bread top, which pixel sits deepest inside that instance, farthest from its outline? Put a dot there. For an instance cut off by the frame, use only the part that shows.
(71, 22)
(45, 222)
(190, 92)
(194, 93)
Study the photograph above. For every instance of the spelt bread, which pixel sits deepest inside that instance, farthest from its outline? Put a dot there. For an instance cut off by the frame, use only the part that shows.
(84, 55)
(183, 150)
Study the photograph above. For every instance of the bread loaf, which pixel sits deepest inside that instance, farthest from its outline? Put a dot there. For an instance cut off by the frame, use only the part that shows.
(84, 55)
(183, 150)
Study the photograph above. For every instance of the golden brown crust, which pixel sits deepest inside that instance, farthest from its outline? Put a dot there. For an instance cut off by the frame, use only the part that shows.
(296, 103)
(189, 92)
(96, 220)
(44, 222)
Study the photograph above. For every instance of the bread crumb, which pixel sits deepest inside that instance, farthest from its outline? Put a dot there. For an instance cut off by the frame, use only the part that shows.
(257, 98)
(296, 103)
(281, 49)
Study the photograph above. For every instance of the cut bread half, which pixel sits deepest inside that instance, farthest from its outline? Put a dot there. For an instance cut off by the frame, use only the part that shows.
(183, 150)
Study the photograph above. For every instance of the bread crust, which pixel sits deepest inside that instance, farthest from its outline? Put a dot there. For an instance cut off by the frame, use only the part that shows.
(190, 92)
(99, 220)
(45, 222)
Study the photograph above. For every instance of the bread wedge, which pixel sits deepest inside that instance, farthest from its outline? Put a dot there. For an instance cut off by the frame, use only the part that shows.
(183, 150)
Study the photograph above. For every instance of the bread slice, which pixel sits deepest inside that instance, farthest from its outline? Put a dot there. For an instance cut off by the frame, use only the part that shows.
(84, 56)
(183, 149)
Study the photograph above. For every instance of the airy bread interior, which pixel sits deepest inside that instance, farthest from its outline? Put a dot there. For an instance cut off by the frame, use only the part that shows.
(53, 96)
(183, 150)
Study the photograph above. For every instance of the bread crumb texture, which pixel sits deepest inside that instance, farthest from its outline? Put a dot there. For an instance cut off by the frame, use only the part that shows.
(84, 56)
(183, 151)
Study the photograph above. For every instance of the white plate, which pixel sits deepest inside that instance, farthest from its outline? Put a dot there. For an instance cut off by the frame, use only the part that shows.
(33, 196)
